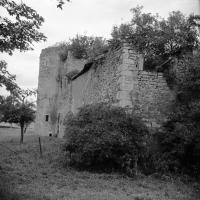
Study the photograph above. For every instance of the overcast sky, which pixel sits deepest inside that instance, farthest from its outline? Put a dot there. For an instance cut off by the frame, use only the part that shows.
(91, 17)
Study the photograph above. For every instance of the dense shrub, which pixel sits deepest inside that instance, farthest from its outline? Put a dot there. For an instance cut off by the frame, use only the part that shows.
(106, 138)
(179, 150)
(83, 47)
(179, 141)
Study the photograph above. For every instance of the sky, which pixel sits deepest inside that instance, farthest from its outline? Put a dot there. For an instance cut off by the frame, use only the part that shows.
(90, 17)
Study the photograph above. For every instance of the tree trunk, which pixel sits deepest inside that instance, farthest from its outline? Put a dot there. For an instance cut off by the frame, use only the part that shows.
(25, 128)
(22, 133)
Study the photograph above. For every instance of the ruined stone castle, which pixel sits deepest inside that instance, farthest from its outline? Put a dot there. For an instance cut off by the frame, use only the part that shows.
(117, 77)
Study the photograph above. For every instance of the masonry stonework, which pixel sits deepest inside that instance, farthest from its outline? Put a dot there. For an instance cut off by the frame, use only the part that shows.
(154, 98)
(116, 77)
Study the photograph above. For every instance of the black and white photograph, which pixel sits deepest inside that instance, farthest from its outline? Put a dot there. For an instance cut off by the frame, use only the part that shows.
(99, 100)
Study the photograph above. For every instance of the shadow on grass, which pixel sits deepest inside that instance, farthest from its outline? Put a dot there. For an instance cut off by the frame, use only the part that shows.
(6, 192)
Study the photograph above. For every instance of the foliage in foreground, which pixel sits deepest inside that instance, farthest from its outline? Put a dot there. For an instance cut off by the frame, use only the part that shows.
(102, 137)
(179, 141)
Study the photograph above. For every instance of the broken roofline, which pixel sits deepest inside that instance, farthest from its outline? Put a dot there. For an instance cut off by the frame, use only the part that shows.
(88, 65)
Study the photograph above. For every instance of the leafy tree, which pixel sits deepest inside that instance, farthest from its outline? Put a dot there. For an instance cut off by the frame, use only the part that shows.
(158, 39)
(18, 31)
(21, 29)
(17, 109)
(7, 79)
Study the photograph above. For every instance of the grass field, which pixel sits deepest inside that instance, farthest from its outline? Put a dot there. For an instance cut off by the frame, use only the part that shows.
(24, 175)
(13, 133)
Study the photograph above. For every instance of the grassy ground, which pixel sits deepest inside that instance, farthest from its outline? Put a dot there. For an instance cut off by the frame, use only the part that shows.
(24, 175)
(12, 133)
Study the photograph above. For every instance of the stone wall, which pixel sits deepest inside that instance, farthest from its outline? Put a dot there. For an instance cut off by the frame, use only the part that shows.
(99, 83)
(153, 98)
(146, 92)
(116, 77)
(54, 90)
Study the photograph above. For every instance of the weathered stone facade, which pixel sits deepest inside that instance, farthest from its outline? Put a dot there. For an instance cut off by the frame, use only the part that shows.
(116, 77)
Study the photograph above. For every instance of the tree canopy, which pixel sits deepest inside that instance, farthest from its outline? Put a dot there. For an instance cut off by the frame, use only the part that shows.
(21, 28)
(157, 38)
(7, 79)
(18, 110)
(18, 30)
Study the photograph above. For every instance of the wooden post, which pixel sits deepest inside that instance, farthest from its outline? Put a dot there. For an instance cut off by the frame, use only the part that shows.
(40, 147)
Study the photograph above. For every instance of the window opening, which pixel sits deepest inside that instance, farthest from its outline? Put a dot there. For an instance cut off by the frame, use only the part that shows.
(46, 118)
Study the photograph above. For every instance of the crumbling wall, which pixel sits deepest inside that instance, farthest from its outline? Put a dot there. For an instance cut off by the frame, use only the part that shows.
(99, 83)
(116, 77)
(153, 98)
(146, 92)
(54, 90)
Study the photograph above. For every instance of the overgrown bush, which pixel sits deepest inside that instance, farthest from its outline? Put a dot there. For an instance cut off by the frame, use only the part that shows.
(83, 47)
(179, 150)
(179, 141)
(106, 138)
